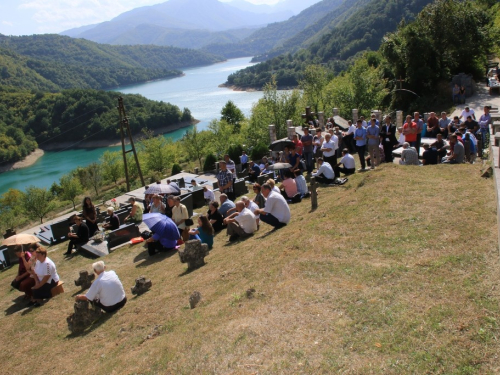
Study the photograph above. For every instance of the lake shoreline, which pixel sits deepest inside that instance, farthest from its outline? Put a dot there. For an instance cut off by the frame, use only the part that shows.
(253, 89)
(28, 161)
(32, 158)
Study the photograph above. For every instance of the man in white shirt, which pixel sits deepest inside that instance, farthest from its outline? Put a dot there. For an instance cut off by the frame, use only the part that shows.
(467, 112)
(208, 194)
(106, 291)
(329, 149)
(276, 211)
(349, 137)
(325, 173)
(349, 165)
(241, 223)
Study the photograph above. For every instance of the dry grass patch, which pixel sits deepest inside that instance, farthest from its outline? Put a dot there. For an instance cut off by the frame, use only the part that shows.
(395, 272)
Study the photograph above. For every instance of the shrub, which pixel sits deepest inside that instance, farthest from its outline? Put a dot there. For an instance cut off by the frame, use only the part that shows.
(259, 151)
(234, 152)
(209, 164)
(176, 168)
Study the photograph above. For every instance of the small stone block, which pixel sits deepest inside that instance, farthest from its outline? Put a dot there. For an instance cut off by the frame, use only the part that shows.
(194, 299)
(194, 254)
(141, 285)
(85, 280)
(85, 314)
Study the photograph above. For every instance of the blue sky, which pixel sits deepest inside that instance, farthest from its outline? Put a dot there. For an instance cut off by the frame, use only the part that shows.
(26, 17)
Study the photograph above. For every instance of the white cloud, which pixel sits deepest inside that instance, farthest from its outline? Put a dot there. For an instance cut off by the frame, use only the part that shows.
(7, 23)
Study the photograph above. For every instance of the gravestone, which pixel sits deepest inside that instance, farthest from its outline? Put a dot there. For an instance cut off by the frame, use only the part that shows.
(85, 280)
(321, 118)
(308, 116)
(290, 129)
(335, 112)
(354, 116)
(399, 119)
(141, 285)
(123, 234)
(85, 314)
(194, 254)
(272, 133)
(194, 299)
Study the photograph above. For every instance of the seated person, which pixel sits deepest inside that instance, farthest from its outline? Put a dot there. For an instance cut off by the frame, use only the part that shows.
(252, 206)
(23, 280)
(79, 238)
(440, 145)
(45, 276)
(166, 241)
(288, 187)
(208, 194)
(471, 124)
(349, 165)
(215, 217)
(241, 223)
(114, 220)
(157, 206)
(135, 215)
(325, 173)
(294, 160)
(457, 152)
(432, 125)
(273, 185)
(253, 172)
(266, 170)
(225, 205)
(204, 232)
(259, 198)
(276, 211)
(106, 291)
(454, 125)
(301, 183)
(194, 185)
(169, 206)
(430, 155)
(409, 155)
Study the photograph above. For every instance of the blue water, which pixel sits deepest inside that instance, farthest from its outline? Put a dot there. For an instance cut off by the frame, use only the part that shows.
(197, 90)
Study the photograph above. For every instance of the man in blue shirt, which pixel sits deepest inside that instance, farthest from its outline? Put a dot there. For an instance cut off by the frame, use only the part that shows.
(372, 133)
(253, 172)
(244, 160)
(360, 139)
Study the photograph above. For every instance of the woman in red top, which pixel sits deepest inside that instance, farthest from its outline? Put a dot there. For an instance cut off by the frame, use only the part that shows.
(23, 281)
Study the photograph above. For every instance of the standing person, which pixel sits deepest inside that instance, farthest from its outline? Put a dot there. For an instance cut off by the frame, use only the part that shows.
(23, 280)
(456, 94)
(90, 215)
(466, 113)
(135, 215)
(230, 165)
(388, 135)
(179, 215)
(45, 276)
(410, 131)
(276, 211)
(307, 150)
(338, 138)
(318, 140)
(420, 128)
(106, 291)
(298, 144)
(432, 125)
(225, 179)
(329, 149)
(204, 233)
(462, 94)
(484, 123)
(81, 236)
(372, 133)
(244, 161)
(360, 138)
(349, 141)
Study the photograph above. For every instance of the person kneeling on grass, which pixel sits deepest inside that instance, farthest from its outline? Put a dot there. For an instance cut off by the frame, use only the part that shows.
(106, 291)
(288, 187)
(276, 211)
(45, 275)
(241, 223)
(204, 233)
(325, 173)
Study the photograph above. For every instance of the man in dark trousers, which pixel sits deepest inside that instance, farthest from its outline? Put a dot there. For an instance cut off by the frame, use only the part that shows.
(80, 237)
(388, 136)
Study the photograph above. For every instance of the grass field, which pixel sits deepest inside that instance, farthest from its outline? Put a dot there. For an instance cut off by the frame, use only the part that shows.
(396, 272)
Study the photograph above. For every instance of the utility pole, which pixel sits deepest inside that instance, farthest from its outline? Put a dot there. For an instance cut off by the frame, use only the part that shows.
(124, 124)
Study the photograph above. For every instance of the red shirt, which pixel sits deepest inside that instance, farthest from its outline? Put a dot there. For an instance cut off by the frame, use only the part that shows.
(410, 137)
(298, 146)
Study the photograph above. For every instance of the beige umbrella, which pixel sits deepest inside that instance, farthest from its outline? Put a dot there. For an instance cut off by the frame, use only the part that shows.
(20, 239)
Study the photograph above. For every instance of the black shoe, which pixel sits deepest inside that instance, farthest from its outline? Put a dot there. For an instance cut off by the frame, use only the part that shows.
(233, 238)
(31, 303)
(36, 304)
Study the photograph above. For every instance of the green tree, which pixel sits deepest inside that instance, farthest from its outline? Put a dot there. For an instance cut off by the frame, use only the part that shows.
(221, 136)
(94, 176)
(11, 209)
(112, 165)
(314, 81)
(70, 188)
(37, 202)
(232, 115)
(210, 161)
(194, 144)
(158, 152)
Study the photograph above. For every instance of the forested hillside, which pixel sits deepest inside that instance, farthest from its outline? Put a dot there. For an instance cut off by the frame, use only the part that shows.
(31, 119)
(54, 62)
(362, 30)
(274, 34)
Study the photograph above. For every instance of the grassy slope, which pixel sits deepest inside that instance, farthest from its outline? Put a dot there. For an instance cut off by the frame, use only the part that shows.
(370, 282)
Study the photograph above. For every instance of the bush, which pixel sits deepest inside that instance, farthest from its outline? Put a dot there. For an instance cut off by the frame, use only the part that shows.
(234, 152)
(259, 151)
(176, 168)
(209, 164)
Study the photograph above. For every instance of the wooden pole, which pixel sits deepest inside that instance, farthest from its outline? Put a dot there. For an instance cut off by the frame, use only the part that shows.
(314, 194)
